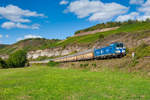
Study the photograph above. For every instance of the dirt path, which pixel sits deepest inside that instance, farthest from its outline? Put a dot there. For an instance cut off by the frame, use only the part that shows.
(95, 31)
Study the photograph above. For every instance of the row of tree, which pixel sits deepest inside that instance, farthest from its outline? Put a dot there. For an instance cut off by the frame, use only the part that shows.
(15, 60)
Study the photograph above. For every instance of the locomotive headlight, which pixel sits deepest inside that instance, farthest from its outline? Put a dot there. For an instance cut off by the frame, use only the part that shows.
(117, 51)
(123, 51)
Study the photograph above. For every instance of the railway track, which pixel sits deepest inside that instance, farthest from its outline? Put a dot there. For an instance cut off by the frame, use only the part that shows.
(39, 62)
(46, 61)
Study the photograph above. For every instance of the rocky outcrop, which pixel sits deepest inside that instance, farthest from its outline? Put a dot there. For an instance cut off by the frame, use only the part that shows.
(53, 52)
(4, 56)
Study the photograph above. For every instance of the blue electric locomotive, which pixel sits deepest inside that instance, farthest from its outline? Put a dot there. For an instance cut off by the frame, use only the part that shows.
(113, 50)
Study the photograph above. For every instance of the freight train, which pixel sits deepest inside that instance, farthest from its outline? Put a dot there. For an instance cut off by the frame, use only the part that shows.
(112, 51)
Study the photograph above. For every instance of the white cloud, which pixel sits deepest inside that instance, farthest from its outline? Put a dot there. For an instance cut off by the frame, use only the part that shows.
(29, 36)
(32, 36)
(145, 8)
(109, 11)
(17, 17)
(9, 25)
(19, 39)
(131, 16)
(142, 13)
(143, 18)
(63, 2)
(7, 36)
(35, 26)
(16, 14)
(136, 2)
(1, 36)
(96, 10)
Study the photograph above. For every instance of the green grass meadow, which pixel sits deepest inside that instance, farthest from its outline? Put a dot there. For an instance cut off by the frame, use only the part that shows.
(51, 83)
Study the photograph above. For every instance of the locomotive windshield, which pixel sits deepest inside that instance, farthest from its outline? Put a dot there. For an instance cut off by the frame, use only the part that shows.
(120, 45)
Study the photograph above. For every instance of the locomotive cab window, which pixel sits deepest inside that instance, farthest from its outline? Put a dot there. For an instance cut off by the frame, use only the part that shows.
(120, 45)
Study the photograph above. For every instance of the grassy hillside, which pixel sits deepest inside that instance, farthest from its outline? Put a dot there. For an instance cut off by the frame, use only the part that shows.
(108, 25)
(100, 26)
(28, 44)
(45, 83)
(132, 28)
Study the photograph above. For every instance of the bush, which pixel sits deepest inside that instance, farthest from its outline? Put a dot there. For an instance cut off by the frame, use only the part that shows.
(94, 65)
(72, 64)
(2, 63)
(17, 59)
(101, 37)
(86, 64)
(142, 51)
(134, 62)
(40, 58)
(53, 64)
(81, 65)
(127, 50)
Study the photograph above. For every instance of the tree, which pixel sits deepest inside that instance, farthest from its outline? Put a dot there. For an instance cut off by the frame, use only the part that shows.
(3, 63)
(148, 20)
(101, 36)
(17, 59)
(130, 21)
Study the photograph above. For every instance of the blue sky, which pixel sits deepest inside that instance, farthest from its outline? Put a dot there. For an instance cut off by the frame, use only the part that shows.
(21, 19)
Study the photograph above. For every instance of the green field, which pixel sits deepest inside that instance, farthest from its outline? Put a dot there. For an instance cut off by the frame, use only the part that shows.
(47, 83)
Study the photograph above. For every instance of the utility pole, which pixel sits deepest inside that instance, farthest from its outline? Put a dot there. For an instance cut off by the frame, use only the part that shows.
(133, 55)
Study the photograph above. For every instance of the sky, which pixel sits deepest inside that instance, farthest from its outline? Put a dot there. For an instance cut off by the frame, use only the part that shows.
(58, 19)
